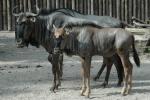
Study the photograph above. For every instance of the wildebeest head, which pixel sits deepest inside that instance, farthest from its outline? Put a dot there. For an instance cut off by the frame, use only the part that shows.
(24, 28)
(59, 35)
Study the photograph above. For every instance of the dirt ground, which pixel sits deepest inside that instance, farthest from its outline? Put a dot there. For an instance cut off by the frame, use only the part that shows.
(25, 74)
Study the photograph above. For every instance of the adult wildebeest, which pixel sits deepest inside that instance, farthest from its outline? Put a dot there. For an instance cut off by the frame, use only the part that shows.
(36, 29)
(89, 39)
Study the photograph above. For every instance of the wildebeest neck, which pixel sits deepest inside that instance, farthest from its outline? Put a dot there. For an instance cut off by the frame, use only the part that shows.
(40, 31)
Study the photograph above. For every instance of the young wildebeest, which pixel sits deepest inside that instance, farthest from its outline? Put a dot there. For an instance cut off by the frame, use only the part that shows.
(36, 29)
(104, 21)
(87, 40)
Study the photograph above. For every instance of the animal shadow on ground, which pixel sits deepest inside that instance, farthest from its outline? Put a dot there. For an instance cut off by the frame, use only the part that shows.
(138, 87)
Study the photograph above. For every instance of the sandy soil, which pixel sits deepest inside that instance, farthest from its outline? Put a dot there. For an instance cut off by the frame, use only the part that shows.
(25, 74)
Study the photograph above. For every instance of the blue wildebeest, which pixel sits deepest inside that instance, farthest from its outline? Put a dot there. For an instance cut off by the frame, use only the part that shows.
(105, 21)
(36, 29)
(89, 39)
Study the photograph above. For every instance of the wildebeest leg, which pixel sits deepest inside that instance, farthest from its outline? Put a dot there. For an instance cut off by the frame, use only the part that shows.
(50, 59)
(100, 71)
(109, 66)
(87, 76)
(83, 88)
(119, 68)
(127, 72)
(58, 72)
(130, 78)
(61, 65)
(54, 78)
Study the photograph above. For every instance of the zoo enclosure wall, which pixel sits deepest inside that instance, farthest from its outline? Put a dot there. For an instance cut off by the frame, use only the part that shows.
(121, 9)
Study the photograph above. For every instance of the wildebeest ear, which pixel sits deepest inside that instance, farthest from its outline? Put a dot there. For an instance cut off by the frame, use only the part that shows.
(67, 32)
(32, 19)
(21, 20)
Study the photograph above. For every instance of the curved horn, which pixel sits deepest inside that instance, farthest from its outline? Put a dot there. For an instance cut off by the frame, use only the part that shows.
(15, 14)
(34, 14)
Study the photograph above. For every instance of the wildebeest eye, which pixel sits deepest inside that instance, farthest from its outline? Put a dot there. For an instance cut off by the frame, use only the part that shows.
(64, 35)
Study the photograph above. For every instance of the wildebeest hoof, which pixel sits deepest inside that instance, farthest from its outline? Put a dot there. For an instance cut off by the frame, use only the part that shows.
(86, 94)
(83, 89)
(104, 85)
(128, 91)
(52, 89)
(123, 94)
(119, 83)
(57, 86)
(124, 91)
(81, 94)
(95, 78)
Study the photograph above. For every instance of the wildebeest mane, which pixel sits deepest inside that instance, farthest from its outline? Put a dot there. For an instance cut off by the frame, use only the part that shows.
(70, 12)
(48, 11)
(42, 33)
(81, 25)
(72, 46)
(65, 11)
(45, 11)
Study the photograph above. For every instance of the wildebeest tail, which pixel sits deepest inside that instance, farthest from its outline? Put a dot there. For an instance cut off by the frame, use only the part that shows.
(135, 54)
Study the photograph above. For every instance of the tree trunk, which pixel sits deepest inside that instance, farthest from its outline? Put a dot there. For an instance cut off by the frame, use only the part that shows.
(110, 7)
(122, 10)
(8, 16)
(126, 10)
(89, 7)
(92, 10)
(1, 20)
(73, 4)
(146, 9)
(29, 5)
(138, 9)
(103, 8)
(142, 10)
(25, 5)
(100, 7)
(4, 15)
(130, 11)
(20, 2)
(134, 8)
(57, 3)
(48, 4)
(13, 4)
